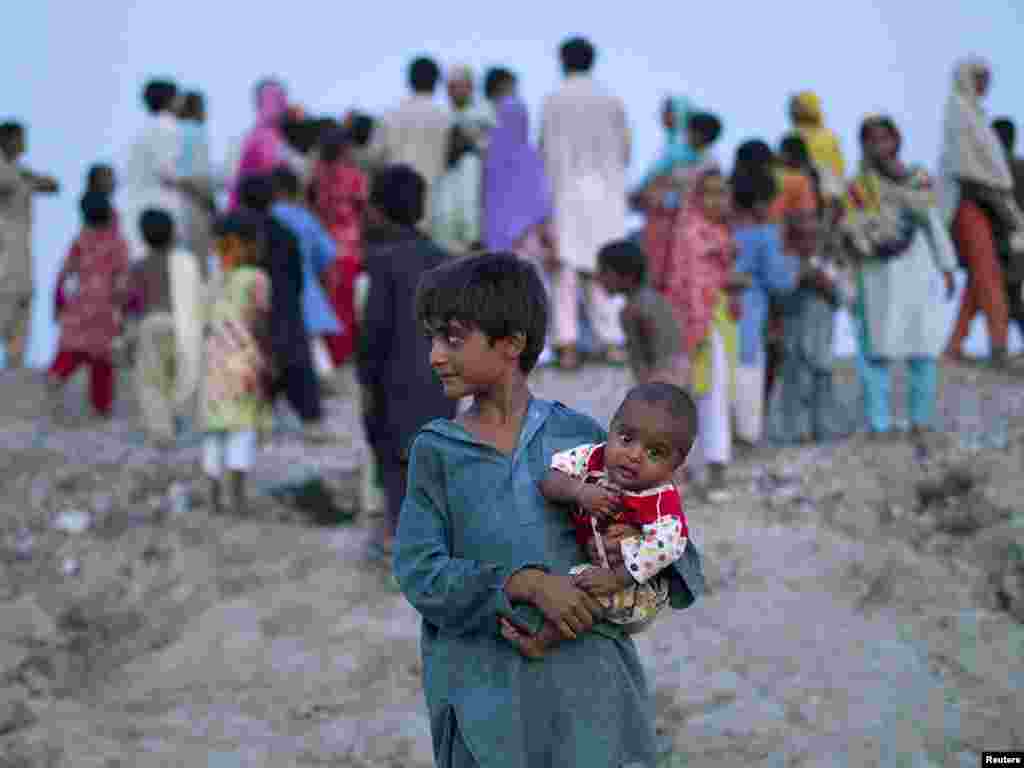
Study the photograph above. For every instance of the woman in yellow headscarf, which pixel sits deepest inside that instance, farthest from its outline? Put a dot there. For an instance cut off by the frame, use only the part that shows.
(822, 144)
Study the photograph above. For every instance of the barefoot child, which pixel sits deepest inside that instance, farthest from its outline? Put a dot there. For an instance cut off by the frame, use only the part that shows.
(652, 326)
(477, 543)
(627, 479)
(236, 403)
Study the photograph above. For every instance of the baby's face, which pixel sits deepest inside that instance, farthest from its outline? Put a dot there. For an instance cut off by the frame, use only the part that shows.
(641, 451)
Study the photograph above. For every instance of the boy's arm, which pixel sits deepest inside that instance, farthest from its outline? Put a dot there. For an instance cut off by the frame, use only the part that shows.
(457, 595)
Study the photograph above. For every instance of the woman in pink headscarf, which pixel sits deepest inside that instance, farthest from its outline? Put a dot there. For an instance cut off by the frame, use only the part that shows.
(264, 148)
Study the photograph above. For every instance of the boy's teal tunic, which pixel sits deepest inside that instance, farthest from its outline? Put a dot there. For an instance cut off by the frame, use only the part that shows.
(471, 518)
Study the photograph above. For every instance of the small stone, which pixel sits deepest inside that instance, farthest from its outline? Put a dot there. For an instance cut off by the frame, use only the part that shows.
(73, 521)
(14, 712)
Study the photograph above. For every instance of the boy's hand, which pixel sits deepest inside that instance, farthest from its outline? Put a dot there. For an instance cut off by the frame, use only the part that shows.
(601, 582)
(599, 502)
(570, 609)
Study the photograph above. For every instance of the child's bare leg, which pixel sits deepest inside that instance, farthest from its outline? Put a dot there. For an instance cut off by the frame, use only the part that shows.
(216, 498)
(237, 480)
(532, 646)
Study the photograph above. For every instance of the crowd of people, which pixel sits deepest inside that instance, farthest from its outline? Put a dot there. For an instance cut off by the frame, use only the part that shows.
(728, 291)
(446, 256)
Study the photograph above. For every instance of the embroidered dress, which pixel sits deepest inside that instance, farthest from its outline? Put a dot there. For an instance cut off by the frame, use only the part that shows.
(659, 514)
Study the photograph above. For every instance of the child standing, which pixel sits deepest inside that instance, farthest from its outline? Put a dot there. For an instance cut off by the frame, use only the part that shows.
(90, 317)
(653, 328)
(235, 404)
(318, 251)
(759, 254)
(628, 479)
(340, 191)
(805, 407)
(477, 542)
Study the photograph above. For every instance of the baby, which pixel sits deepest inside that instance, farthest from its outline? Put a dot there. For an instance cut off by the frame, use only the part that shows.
(626, 480)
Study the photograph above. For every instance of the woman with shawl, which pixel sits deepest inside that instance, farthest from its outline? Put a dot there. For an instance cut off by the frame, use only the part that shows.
(264, 148)
(899, 244)
(689, 135)
(977, 188)
(696, 283)
(517, 205)
(827, 155)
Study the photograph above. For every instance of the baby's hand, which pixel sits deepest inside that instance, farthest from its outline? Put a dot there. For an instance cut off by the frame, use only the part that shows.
(531, 646)
(599, 502)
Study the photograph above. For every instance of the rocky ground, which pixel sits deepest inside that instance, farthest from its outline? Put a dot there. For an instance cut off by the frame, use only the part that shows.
(865, 601)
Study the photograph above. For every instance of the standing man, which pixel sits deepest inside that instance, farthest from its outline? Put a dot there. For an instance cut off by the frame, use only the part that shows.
(585, 142)
(17, 186)
(416, 133)
(475, 119)
(150, 177)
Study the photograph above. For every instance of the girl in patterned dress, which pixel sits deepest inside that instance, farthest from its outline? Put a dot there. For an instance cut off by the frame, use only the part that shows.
(627, 480)
(92, 288)
(236, 405)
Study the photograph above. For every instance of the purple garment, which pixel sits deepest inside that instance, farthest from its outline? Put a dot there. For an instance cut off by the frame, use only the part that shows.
(517, 195)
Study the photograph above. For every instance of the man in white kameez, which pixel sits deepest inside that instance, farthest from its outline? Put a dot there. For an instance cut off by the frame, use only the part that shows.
(416, 133)
(150, 173)
(585, 142)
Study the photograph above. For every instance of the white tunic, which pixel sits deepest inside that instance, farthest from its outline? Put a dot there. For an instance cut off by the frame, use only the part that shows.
(585, 144)
(154, 154)
(902, 297)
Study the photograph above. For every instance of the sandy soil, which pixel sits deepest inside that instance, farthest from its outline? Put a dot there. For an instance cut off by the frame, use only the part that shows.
(850, 619)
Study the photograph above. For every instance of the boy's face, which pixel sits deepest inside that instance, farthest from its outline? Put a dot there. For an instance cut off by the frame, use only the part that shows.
(466, 361)
(641, 452)
(715, 193)
(615, 283)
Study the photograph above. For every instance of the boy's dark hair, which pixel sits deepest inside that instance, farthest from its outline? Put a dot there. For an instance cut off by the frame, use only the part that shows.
(96, 170)
(302, 134)
(361, 129)
(400, 193)
(96, 209)
(623, 257)
(10, 130)
(497, 293)
(424, 74)
(1006, 131)
(678, 405)
(753, 188)
(577, 55)
(159, 95)
(285, 181)
(707, 125)
(246, 225)
(496, 79)
(753, 155)
(256, 192)
(333, 142)
(157, 228)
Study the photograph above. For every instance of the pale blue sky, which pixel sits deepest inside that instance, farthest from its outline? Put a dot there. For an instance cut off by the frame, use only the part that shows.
(74, 70)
